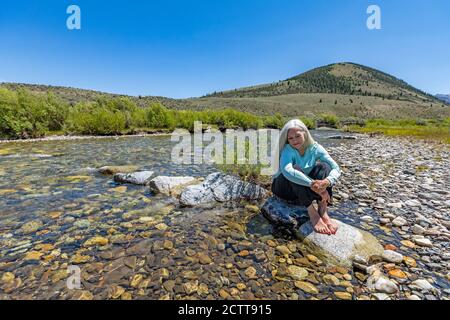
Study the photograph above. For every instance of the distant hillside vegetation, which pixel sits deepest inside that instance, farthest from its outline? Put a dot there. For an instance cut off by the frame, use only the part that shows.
(340, 78)
(342, 89)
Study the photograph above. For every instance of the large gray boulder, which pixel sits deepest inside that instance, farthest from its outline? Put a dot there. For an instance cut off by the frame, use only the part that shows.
(221, 187)
(139, 178)
(342, 247)
(170, 185)
(337, 249)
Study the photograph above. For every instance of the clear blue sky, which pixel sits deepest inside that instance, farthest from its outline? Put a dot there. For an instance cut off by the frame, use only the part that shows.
(185, 48)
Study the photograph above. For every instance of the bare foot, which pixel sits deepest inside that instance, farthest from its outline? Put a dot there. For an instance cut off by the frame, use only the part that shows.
(318, 224)
(323, 212)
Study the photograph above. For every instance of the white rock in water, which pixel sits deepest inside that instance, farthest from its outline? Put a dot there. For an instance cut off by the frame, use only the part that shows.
(366, 218)
(381, 296)
(422, 284)
(413, 297)
(447, 203)
(399, 222)
(392, 256)
(385, 285)
(222, 188)
(412, 203)
(340, 248)
(139, 178)
(424, 242)
(170, 185)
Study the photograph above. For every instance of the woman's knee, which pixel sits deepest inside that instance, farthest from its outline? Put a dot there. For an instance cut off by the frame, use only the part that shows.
(320, 171)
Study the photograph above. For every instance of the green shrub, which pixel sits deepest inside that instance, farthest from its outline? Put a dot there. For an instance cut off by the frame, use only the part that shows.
(309, 122)
(26, 115)
(329, 119)
(275, 122)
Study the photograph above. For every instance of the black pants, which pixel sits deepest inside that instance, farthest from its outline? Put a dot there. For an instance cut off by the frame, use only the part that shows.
(301, 195)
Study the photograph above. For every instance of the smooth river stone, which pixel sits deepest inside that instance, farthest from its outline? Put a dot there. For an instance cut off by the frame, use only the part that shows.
(342, 247)
(139, 178)
(221, 187)
(170, 185)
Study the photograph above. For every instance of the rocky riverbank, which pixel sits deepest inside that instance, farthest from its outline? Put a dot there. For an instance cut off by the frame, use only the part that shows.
(217, 245)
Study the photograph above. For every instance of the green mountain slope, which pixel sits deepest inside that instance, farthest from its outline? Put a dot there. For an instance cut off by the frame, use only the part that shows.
(340, 78)
(343, 89)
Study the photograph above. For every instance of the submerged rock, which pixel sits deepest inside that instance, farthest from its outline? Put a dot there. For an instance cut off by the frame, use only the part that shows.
(117, 169)
(392, 256)
(139, 177)
(222, 188)
(31, 226)
(342, 247)
(170, 185)
(282, 213)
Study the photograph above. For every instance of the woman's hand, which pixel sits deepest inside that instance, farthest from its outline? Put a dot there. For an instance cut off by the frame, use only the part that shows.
(318, 186)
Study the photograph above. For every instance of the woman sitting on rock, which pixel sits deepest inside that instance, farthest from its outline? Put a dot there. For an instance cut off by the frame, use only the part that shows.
(306, 173)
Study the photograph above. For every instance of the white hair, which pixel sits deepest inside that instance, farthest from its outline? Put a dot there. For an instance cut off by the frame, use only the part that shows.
(294, 123)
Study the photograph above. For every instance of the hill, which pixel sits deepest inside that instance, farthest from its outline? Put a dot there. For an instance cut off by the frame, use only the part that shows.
(343, 89)
(444, 97)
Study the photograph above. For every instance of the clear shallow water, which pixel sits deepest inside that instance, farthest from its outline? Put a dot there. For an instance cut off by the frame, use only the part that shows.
(55, 183)
(44, 176)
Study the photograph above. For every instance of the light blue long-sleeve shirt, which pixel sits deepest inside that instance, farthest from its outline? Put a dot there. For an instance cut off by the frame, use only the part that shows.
(290, 157)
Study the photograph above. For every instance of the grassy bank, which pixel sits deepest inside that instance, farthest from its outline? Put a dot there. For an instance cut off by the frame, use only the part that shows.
(24, 114)
(422, 129)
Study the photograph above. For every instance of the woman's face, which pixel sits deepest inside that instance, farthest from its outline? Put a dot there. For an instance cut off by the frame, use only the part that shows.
(296, 138)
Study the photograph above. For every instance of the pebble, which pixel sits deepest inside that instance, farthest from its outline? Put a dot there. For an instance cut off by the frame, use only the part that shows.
(392, 256)
(250, 272)
(306, 287)
(343, 295)
(423, 242)
(410, 262)
(412, 203)
(101, 241)
(331, 280)
(297, 273)
(422, 284)
(385, 286)
(283, 250)
(33, 255)
(417, 229)
(204, 258)
(31, 226)
(8, 277)
(399, 222)
(380, 296)
(366, 218)
(397, 273)
(82, 224)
